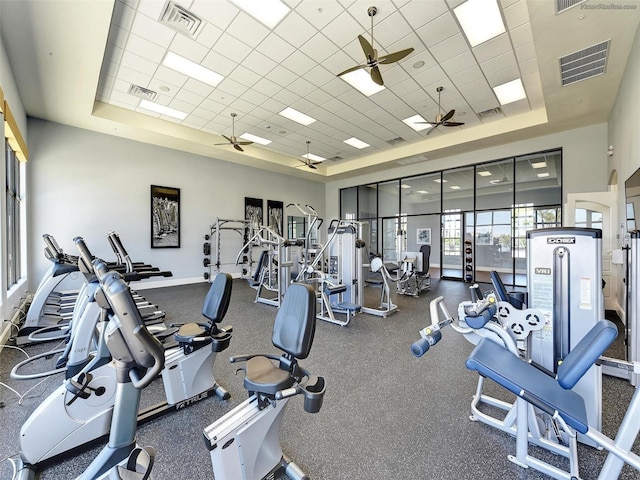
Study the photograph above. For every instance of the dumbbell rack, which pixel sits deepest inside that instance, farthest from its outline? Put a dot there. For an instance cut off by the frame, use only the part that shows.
(468, 261)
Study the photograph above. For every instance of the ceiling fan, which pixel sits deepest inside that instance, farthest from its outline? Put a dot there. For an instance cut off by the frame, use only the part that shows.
(372, 54)
(442, 119)
(307, 161)
(233, 140)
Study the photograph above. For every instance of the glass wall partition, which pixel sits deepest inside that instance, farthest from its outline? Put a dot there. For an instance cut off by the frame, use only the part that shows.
(368, 213)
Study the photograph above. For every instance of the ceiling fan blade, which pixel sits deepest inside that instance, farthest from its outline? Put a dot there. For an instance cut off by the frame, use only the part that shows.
(452, 124)
(312, 166)
(367, 48)
(227, 139)
(352, 69)
(429, 123)
(376, 76)
(432, 129)
(395, 57)
(448, 116)
(243, 143)
(238, 147)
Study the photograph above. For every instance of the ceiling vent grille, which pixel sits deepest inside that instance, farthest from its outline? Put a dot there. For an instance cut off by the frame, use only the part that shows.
(562, 5)
(584, 64)
(141, 92)
(181, 20)
(337, 158)
(490, 113)
(396, 141)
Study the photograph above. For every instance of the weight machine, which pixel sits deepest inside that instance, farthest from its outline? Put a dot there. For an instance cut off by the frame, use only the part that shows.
(213, 243)
(413, 276)
(312, 245)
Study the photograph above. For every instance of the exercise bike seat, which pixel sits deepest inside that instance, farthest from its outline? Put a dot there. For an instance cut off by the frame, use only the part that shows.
(192, 336)
(293, 332)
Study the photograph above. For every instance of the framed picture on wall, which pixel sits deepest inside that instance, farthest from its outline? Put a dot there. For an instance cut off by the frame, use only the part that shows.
(165, 217)
(423, 236)
(275, 212)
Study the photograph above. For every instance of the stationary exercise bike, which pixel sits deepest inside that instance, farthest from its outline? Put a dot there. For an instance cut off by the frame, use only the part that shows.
(80, 410)
(138, 358)
(244, 444)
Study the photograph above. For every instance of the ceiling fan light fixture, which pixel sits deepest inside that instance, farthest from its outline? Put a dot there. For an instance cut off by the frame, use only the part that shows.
(413, 123)
(480, 20)
(162, 110)
(356, 143)
(296, 116)
(267, 12)
(187, 67)
(510, 92)
(313, 158)
(361, 81)
(255, 138)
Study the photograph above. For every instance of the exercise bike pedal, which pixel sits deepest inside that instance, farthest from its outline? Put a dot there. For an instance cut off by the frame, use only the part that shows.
(138, 467)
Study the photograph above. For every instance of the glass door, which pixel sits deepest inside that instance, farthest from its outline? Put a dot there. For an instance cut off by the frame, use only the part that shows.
(393, 238)
(452, 246)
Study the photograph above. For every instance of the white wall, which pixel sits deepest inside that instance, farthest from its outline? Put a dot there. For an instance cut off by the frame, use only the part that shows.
(86, 184)
(584, 161)
(624, 125)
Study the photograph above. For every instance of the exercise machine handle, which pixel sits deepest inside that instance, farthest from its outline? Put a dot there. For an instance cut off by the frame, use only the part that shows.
(288, 392)
(150, 344)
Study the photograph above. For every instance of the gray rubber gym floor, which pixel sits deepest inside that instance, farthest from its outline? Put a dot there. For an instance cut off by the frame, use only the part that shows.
(386, 414)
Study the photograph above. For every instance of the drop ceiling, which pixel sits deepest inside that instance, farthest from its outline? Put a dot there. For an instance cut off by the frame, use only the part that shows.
(75, 63)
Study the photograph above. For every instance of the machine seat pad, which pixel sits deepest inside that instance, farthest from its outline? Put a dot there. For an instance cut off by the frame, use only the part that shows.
(334, 289)
(498, 364)
(264, 377)
(189, 331)
(352, 307)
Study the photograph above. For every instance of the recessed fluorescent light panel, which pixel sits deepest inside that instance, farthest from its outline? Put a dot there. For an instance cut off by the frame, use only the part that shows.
(454, 187)
(510, 92)
(313, 158)
(268, 12)
(404, 185)
(297, 116)
(361, 81)
(255, 138)
(411, 121)
(161, 109)
(542, 175)
(480, 19)
(192, 69)
(539, 164)
(354, 142)
(485, 173)
(437, 180)
(422, 191)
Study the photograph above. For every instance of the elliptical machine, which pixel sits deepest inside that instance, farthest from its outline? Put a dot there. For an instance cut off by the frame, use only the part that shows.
(245, 444)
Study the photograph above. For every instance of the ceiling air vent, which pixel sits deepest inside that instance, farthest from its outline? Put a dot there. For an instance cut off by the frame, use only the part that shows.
(396, 141)
(337, 158)
(490, 113)
(181, 19)
(584, 64)
(562, 5)
(142, 92)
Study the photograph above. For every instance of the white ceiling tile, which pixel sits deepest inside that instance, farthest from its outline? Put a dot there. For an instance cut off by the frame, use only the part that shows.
(499, 63)
(267, 87)
(298, 62)
(218, 14)
(479, 87)
(482, 102)
(526, 52)
(319, 14)
(521, 35)
(339, 62)
(153, 31)
(419, 56)
(122, 104)
(187, 48)
(209, 35)
(131, 76)
(430, 75)
(236, 49)
(259, 63)
(152, 8)
(419, 12)
(503, 76)
(169, 76)
(406, 87)
(124, 98)
(295, 29)
(467, 76)
(449, 48)
(454, 3)
(301, 87)
(144, 48)
(319, 48)
(246, 77)
(459, 63)
(275, 48)
(516, 14)
(438, 29)
(342, 30)
(231, 87)
(337, 86)
(191, 98)
(194, 122)
(209, 105)
(390, 30)
(529, 67)
(181, 105)
(138, 63)
(254, 97)
(282, 76)
(274, 106)
(218, 63)
(241, 106)
(320, 76)
(492, 48)
(199, 88)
